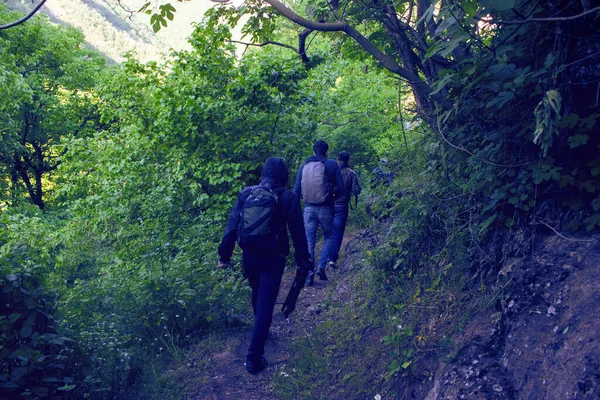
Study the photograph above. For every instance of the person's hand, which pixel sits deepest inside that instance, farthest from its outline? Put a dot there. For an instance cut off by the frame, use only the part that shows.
(305, 267)
(223, 265)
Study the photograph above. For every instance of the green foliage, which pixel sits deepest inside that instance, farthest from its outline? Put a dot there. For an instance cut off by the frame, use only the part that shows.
(48, 74)
(35, 360)
(129, 245)
(508, 101)
(146, 164)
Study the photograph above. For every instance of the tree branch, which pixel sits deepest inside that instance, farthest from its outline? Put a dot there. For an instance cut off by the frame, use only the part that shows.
(559, 234)
(269, 42)
(552, 19)
(302, 45)
(25, 18)
(388, 62)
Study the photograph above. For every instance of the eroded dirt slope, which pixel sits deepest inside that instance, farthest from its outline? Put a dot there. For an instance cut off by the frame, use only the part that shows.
(543, 341)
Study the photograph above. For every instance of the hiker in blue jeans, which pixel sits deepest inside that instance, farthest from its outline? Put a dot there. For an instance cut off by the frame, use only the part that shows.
(341, 206)
(319, 182)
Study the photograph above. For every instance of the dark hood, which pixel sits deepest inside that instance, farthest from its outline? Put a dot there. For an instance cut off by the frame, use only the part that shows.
(275, 173)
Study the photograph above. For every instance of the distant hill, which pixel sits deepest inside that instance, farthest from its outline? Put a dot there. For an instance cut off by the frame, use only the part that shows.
(110, 29)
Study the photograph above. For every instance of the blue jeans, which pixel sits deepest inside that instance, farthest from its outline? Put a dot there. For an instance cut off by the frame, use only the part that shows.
(313, 217)
(340, 217)
(264, 274)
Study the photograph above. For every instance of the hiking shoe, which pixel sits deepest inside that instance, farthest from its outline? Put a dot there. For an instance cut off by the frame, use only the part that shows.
(321, 273)
(255, 365)
(310, 279)
(331, 264)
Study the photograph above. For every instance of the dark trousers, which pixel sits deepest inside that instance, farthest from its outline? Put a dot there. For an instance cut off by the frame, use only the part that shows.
(340, 217)
(264, 274)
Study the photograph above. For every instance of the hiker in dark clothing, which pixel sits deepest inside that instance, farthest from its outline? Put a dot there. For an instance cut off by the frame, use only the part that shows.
(341, 206)
(263, 267)
(381, 175)
(319, 181)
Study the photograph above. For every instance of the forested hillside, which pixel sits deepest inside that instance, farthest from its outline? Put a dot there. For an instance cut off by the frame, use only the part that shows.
(115, 28)
(470, 273)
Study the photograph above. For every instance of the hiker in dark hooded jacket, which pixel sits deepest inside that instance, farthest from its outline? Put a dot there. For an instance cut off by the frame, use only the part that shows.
(264, 267)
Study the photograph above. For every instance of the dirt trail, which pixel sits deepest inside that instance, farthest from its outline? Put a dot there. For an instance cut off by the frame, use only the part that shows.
(221, 375)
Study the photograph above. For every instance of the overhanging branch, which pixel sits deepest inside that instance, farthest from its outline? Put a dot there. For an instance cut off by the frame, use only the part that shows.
(25, 18)
(550, 19)
(388, 62)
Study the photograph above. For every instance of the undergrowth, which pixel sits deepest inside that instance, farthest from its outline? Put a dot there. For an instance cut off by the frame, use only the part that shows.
(415, 281)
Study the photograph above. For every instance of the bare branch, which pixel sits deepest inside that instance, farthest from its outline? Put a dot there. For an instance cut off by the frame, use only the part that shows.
(25, 18)
(559, 234)
(302, 44)
(552, 19)
(267, 43)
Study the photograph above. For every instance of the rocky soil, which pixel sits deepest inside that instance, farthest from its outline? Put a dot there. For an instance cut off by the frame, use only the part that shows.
(543, 340)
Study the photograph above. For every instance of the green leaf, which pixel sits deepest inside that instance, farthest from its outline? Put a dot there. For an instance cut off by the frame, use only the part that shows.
(441, 84)
(591, 222)
(484, 225)
(470, 7)
(26, 331)
(67, 388)
(501, 99)
(578, 140)
(446, 23)
(588, 185)
(549, 60)
(393, 368)
(144, 7)
(165, 8)
(596, 204)
(434, 284)
(427, 15)
(13, 317)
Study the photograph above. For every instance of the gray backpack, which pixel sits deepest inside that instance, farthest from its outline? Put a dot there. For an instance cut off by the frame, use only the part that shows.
(315, 185)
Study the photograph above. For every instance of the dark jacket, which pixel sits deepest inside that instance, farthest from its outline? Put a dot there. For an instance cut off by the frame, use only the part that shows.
(351, 184)
(288, 214)
(332, 171)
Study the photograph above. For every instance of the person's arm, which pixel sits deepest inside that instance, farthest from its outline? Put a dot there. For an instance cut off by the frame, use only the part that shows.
(298, 183)
(229, 237)
(295, 224)
(356, 189)
(339, 189)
